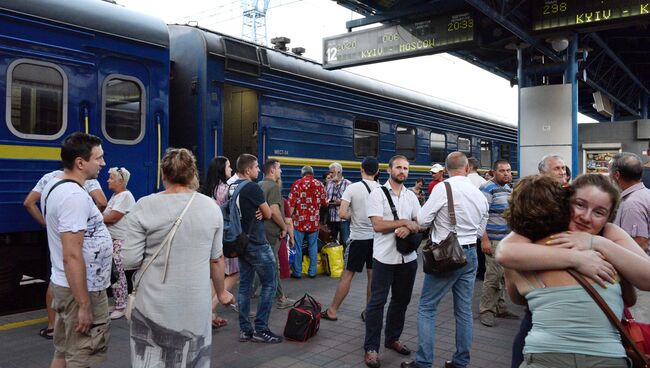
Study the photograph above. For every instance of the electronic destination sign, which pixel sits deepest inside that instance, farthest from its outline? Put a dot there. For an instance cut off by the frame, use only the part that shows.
(550, 14)
(440, 33)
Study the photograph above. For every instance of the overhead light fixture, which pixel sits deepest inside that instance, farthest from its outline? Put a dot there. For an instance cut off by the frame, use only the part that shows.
(558, 43)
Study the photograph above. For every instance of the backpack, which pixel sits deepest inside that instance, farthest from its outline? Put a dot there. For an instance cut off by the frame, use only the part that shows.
(235, 241)
(303, 320)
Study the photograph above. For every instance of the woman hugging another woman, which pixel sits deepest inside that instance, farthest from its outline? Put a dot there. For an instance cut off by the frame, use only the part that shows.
(556, 228)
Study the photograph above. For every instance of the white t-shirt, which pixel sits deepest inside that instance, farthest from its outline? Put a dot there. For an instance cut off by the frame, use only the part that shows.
(89, 185)
(357, 196)
(384, 245)
(121, 202)
(69, 208)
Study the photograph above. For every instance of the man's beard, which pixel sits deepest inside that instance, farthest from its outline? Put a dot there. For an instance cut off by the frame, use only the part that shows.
(397, 179)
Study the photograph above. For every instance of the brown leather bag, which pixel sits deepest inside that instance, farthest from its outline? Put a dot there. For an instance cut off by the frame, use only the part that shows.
(447, 255)
(636, 355)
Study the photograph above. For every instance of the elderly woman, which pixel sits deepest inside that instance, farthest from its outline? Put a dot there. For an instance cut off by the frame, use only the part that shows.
(119, 205)
(567, 325)
(171, 318)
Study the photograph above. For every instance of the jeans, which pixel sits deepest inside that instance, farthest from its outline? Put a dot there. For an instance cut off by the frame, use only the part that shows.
(520, 339)
(312, 240)
(434, 288)
(398, 279)
(257, 259)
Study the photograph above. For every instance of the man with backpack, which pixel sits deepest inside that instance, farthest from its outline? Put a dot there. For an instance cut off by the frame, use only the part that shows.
(258, 256)
(359, 252)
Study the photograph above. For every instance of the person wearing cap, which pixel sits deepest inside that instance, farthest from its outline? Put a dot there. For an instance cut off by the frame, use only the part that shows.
(437, 172)
(359, 252)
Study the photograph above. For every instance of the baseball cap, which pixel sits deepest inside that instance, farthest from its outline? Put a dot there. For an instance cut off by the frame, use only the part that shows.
(370, 165)
(436, 168)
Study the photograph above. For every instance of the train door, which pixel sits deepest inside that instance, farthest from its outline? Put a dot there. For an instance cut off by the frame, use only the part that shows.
(240, 122)
(125, 128)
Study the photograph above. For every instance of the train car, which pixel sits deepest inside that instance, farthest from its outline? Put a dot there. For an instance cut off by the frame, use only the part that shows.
(66, 66)
(230, 96)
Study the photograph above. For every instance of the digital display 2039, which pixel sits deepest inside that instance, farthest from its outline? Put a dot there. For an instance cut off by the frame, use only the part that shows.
(549, 14)
(439, 33)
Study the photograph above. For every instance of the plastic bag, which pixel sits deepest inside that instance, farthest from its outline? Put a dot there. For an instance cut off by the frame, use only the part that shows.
(320, 265)
(333, 255)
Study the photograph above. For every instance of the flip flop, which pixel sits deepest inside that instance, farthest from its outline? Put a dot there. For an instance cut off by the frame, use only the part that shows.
(324, 315)
(219, 322)
(46, 333)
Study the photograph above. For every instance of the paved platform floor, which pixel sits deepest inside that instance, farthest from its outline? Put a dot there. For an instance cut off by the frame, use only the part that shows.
(338, 344)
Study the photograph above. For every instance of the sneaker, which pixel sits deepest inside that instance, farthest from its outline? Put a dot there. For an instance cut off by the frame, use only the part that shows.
(117, 314)
(284, 303)
(487, 319)
(245, 336)
(267, 337)
(371, 358)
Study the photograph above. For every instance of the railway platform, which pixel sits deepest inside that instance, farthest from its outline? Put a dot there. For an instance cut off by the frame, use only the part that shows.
(337, 344)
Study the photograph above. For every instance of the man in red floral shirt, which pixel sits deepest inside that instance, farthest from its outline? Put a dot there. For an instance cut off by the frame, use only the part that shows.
(305, 200)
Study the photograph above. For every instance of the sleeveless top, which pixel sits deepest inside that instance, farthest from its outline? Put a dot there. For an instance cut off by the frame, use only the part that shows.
(567, 320)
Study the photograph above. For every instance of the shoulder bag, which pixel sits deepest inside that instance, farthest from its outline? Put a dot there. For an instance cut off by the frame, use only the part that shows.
(447, 255)
(130, 304)
(634, 352)
(413, 240)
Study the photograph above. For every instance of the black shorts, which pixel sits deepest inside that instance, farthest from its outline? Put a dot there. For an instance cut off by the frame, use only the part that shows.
(358, 253)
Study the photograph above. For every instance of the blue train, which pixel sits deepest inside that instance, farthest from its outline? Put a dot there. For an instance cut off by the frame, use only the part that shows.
(141, 85)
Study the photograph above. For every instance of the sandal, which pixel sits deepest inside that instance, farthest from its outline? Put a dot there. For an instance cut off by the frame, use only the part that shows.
(219, 322)
(46, 333)
(326, 316)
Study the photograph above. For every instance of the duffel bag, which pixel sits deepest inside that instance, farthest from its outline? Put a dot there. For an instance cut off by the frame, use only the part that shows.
(303, 320)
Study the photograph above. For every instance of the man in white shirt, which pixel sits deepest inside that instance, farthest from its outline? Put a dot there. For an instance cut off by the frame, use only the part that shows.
(95, 190)
(81, 252)
(392, 271)
(471, 209)
(473, 175)
(359, 252)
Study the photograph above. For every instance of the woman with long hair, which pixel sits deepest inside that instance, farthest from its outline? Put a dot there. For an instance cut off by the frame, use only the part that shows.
(567, 325)
(216, 187)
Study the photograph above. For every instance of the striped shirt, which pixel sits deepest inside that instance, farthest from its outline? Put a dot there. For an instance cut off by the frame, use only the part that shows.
(497, 197)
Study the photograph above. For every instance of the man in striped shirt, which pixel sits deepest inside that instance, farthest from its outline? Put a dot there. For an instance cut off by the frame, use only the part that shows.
(497, 191)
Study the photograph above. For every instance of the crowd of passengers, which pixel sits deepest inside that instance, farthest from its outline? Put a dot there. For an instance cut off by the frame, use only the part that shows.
(170, 245)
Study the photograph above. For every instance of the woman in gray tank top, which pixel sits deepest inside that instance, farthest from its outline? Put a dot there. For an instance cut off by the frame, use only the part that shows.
(569, 329)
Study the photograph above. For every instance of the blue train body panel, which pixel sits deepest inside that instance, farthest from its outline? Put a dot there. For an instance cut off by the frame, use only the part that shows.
(66, 67)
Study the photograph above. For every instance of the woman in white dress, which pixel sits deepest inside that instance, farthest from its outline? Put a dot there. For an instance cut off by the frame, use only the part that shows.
(170, 324)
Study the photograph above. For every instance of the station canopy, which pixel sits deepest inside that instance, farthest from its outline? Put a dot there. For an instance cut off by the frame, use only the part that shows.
(613, 42)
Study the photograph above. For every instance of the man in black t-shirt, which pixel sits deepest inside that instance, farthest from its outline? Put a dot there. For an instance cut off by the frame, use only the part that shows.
(258, 258)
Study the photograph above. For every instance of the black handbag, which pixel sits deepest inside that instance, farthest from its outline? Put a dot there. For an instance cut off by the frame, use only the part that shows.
(447, 255)
(404, 245)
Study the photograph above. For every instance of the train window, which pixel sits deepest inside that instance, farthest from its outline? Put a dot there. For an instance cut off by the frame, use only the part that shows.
(437, 147)
(123, 109)
(38, 99)
(405, 139)
(465, 146)
(505, 151)
(366, 138)
(486, 153)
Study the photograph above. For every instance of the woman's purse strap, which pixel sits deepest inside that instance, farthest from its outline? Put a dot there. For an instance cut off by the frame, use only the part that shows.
(167, 240)
(450, 205)
(627, 339)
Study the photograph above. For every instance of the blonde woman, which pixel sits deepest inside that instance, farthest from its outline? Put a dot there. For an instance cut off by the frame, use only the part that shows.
(119, 205)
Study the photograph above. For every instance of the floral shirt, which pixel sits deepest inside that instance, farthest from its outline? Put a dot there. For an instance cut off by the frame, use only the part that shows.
(306, 197)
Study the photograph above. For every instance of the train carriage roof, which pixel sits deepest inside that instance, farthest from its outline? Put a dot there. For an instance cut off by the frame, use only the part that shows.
(222, 45)
(95, 15)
